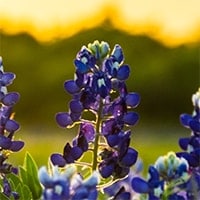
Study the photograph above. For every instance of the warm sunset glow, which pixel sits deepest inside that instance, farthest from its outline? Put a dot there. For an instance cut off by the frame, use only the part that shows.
(172, 22)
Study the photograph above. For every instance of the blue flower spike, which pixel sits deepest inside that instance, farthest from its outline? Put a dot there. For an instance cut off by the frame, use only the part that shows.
(191, 147)
(8, 127)
(100, 72)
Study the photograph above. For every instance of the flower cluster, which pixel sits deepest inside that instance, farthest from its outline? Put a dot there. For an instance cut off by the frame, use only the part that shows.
(67, 184)
(177, 176)
(168, 173)
(191, 147)
(99, 87)
(8, 126)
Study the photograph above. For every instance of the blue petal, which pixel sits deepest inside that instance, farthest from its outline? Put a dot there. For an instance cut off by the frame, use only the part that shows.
(103, 90)
(71, 87)
(195, 142)
(76, 152)
(123, 72)
(63, 185)
(131, 118)
(191, 159)
(44, 177)
(106, 170)
(185, 119)
(132, 99)
(5, 142)
(11, 125)
(79, 80)
(112, 140)
(183, 143)
(195, 125)
(117, 53)
(75, 116)
(124, 195)
(7, 78)
(63, 119)
(67, 155)
(57, 159)
(181, 169)
(111, 67)
(130, 158)
(76, 106)
(81, 193)
(139, 185)
(92, 195)
(176, 197)
(16, 146)
(11, 98)
(81, 67)
(82, 142)
(153, 173)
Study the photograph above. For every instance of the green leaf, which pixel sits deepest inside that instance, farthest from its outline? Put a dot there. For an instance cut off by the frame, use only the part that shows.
(29, 174)
(24, 192)
(27, 194)
(19, 186)
(3, 197)
(19, 191)
(14, 180)
(30, 165)
(23, 175)
(102, 196)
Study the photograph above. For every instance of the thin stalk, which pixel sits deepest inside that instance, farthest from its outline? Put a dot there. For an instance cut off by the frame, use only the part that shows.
(96, 141)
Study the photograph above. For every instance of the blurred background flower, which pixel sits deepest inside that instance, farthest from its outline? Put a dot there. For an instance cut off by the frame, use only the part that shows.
(161, 40)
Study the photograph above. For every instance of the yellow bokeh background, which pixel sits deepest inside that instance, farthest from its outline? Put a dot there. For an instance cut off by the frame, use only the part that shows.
(171, 22)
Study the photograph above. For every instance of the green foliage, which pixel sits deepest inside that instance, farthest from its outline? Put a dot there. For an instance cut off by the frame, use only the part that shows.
(4, 197)
(19, 186)
(26, 184)
(29, 176)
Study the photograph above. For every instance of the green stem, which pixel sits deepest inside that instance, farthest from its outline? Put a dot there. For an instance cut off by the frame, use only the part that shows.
(96, 141)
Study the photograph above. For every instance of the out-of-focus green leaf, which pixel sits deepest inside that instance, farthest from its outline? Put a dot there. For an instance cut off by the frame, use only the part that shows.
(102, 196)
(4, 197)
(29, 173)
(23, 175)
(24, 192)
(19, 185)
(15, 180)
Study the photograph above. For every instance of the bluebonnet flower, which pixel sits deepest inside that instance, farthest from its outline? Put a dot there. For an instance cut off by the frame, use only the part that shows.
(122, 189)
(171, 167)
(153, 187)
(99, 87)
(191, 147)
(192, 121)
(165, 178)
(118, 160)
(67, 184)
(8, 126)
(79, 146)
